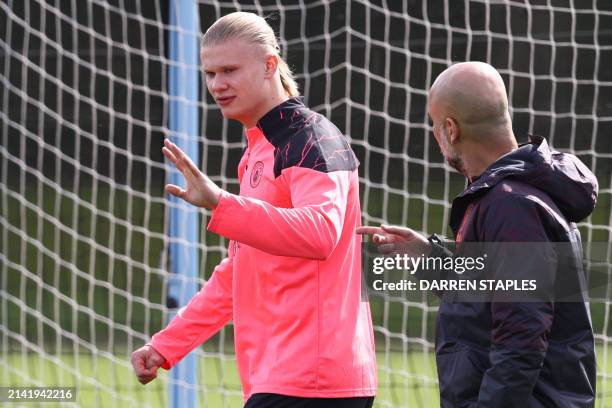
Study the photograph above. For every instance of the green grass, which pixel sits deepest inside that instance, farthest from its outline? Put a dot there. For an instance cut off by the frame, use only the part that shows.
(405, 379)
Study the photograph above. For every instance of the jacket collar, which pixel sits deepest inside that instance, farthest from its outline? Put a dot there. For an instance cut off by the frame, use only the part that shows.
(276, 123)
(512, 164)
(253, 135)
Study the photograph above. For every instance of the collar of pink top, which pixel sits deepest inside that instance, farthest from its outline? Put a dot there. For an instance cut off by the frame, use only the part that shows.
(253, 134)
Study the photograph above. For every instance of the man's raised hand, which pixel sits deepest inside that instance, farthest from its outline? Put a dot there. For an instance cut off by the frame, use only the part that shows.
(201, 191)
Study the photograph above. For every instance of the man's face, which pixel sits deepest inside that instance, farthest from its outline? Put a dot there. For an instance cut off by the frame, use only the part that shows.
(448, 151)
(235, 72)
(439, 130)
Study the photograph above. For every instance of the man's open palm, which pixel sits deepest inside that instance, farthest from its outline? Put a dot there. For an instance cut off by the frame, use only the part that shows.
(201, 191)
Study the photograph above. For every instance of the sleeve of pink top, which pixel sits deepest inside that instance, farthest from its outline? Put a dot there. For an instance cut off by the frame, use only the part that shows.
(205, 314)
(311, 229)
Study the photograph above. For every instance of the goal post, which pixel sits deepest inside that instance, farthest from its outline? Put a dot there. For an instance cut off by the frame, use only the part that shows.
(183, 90)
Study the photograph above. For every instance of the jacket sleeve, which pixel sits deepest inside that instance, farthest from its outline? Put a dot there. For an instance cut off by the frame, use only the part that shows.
(311, 229)
(519, 330)
(205, 314)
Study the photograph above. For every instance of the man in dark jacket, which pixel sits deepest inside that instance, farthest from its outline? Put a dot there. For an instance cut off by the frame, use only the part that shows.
(507, 354)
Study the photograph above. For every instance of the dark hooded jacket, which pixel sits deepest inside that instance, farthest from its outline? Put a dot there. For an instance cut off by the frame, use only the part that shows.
(520, 354)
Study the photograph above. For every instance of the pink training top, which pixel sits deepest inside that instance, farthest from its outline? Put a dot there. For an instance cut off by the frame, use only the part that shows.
(292, 280)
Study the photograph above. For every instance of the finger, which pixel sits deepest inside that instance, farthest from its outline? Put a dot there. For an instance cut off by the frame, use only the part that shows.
(170, 156)
(157, 356)
(137, 359)
(368, 230)
(402, 231)
(176, 191)
(182, 158)
(180, 164)
(192, 167)
(178, 153)
(138, 364)
(380, 239)
(168, 153)
(159, 360)
(168, 143)
(152, 363)
(144, 379)
(148, 373)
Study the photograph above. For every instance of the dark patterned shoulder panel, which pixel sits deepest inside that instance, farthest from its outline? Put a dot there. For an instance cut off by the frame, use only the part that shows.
(304, 138)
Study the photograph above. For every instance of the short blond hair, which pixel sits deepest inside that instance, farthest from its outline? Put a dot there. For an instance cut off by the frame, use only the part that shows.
(255, 30)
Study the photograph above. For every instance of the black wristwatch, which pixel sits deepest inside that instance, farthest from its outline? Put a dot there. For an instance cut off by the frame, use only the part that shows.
(437, 247)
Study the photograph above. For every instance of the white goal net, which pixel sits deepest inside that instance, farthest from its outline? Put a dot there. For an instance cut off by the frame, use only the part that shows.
(84, 96)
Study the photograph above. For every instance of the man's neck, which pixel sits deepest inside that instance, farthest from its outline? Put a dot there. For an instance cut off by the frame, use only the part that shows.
(484, 156)
(274, 100)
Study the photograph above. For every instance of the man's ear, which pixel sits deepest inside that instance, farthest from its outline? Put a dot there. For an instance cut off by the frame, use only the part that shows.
(452, 130)
(271, 65)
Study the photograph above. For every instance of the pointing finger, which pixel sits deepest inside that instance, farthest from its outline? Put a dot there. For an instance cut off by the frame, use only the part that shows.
(380, 239)
(402, 231)
(368, 230)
